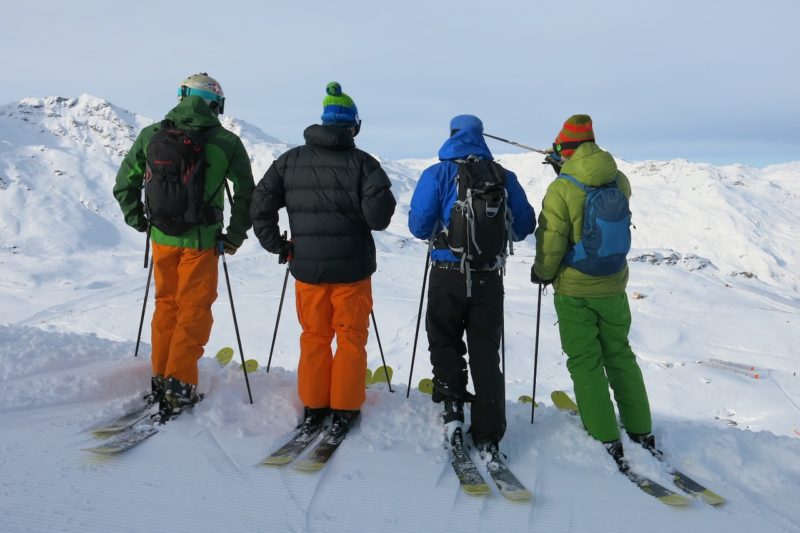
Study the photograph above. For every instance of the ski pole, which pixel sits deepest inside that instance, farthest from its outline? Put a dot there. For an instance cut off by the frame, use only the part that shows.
(503, 348)
(536, 350)
(147, 246)
(419, 314)
(144, 303)
(377, 336)
(221, 249)
(278, 319)
(516, 144)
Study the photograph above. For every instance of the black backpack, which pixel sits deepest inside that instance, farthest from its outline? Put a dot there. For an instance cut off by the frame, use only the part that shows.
(480, 221)
(175, 180)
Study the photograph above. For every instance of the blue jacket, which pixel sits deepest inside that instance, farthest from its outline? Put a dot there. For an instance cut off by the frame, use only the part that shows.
(436, 192)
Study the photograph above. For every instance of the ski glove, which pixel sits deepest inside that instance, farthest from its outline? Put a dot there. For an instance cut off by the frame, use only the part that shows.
(286, 251)
(225, 246)
(141, 225)
(535, 279)
(554, 161)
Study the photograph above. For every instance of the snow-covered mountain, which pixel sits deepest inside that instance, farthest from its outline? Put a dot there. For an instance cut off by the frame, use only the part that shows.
(714, 275)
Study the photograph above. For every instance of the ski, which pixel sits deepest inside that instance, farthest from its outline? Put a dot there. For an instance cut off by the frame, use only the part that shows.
(123, 422)
(292, 449)
(320, 454)
(563, 402)
(507, 483)
(469, 477)
(687, 484)
(382, 374)
(648, 486)
(125, 440)
(135, 434)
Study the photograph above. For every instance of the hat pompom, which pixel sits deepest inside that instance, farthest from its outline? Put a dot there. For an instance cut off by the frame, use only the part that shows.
(334, 88)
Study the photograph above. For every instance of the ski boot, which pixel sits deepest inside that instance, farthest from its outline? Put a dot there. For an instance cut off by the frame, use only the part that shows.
(313, 419)
(646, 441)
(341, 422)
(178, 396)
(157, 386)
(443, 390)
(453, 418)
(614, 449)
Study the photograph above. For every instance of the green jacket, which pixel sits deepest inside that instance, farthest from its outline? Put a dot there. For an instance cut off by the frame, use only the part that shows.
(561, 223)
(226, 157)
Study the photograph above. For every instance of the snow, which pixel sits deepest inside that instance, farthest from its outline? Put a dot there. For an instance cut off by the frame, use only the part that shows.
(714, 275)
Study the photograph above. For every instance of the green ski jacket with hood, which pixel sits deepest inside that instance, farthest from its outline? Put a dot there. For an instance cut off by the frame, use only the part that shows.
(561, 223)
(226, 158)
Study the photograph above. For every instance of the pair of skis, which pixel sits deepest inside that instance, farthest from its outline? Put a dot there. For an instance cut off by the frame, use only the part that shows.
(130, 429)
(473, 483)
(563, 402)
(126, 431)
(315, 459)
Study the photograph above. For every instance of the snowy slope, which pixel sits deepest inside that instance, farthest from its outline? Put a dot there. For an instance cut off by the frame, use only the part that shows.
(714, 274)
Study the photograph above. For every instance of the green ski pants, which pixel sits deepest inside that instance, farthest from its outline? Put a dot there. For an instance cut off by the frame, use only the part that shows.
(594, 335)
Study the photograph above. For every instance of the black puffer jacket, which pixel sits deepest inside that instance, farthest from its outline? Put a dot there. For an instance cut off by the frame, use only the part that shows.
(335, 195)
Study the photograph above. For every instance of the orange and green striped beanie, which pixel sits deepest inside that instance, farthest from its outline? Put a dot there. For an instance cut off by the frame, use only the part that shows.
(577, 130)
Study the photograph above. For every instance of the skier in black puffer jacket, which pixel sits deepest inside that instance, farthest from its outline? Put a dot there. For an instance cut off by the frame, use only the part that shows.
(335, 196)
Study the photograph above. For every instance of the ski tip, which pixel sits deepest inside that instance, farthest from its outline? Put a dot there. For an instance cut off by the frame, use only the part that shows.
(382, 374)
(711, 497)
(478, 489)
(308, 466)
(250, 366)
(276, 461)
(425, 386)
(675, 500)
(224, 356)
(562, 401)
(368, 378)
(527, 399)
(518, 495)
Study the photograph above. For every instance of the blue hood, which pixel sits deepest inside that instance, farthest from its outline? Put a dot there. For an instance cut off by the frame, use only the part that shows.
(465, 143)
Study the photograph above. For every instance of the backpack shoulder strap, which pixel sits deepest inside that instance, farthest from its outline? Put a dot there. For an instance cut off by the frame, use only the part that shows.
(586, 188)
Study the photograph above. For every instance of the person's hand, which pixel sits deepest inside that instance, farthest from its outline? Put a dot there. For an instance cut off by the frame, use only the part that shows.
(286, 252)
(535, 279)
(553, 160)
(141, 225)
(225, 246)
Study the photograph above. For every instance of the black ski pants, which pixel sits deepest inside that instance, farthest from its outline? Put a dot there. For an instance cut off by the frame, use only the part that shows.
(450, 314)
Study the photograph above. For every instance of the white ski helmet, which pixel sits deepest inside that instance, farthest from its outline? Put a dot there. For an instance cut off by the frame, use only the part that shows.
(205, 87)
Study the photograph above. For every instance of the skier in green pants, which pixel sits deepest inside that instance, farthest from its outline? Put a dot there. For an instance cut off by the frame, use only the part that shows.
(593, 314)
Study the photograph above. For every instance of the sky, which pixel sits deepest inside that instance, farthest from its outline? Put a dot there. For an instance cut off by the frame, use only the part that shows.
(704, 80)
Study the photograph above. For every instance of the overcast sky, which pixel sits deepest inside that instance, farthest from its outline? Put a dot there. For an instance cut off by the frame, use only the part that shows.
(704, 80)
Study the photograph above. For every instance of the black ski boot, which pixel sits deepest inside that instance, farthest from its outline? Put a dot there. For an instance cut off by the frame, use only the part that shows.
(453, 418)
(646, 441)
(443, 390)
(177, 397)
(490, 452)
(614, 449)
(157, 386)
(341, 422)
(313, 419)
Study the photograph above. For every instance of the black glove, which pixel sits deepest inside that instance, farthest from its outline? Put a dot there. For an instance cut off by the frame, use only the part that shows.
(225, 246)
(140, 225)
(535, 279)
(286, 251)
(550, 159)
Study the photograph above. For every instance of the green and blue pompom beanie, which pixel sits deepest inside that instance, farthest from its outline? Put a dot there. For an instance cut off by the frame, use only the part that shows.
(338, 108)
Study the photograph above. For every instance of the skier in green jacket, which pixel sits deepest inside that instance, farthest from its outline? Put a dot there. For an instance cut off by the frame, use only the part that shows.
(185, 252)
(593, 313)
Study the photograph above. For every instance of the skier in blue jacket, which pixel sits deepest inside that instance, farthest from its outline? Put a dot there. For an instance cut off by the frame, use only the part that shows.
(452, 308)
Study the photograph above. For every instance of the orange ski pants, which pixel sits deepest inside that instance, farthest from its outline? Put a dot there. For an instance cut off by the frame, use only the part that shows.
(325, 309)
(186, 286)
